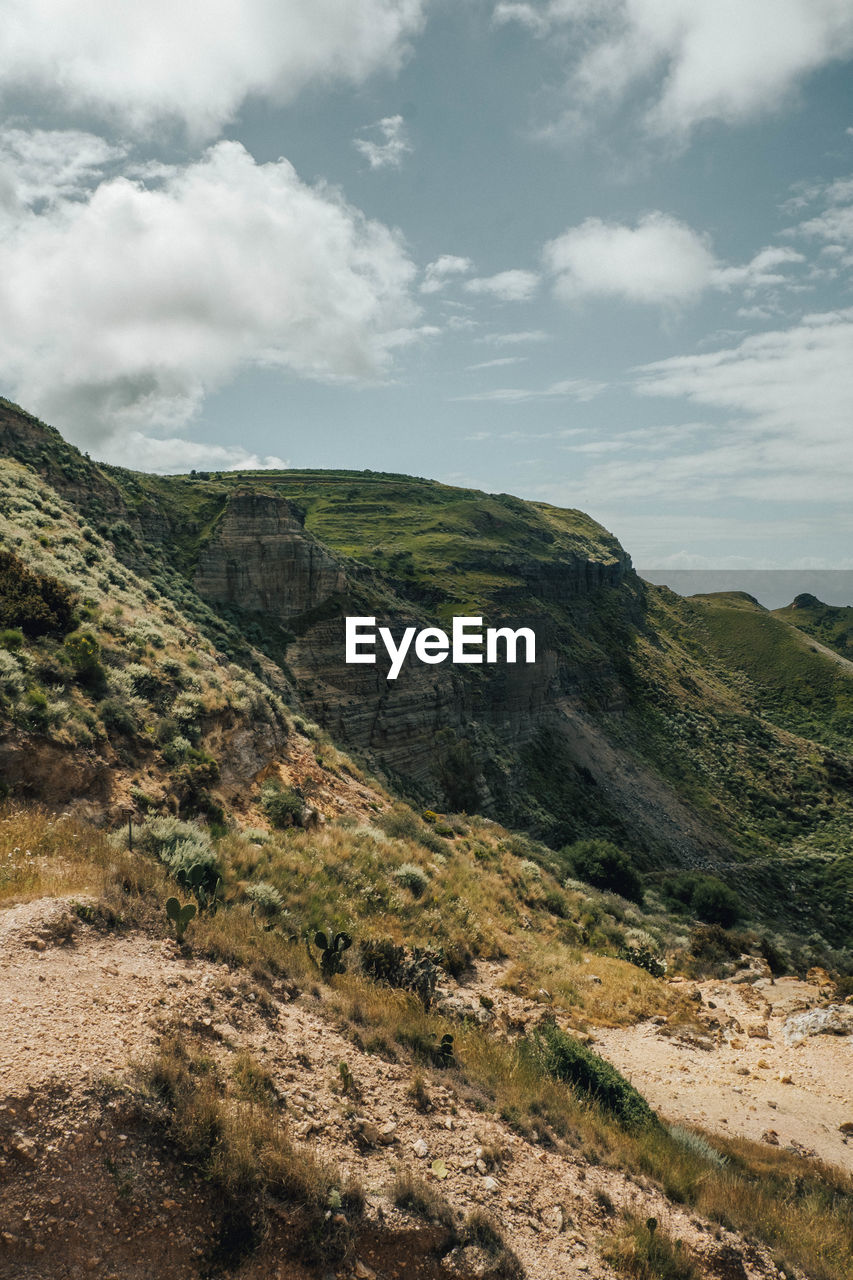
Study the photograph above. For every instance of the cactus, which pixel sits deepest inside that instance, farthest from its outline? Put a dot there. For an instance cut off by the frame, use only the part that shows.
(444, 1052)
(204, 883)
(347, 1081)
(332, 946)
(180, 916)
(384, 961)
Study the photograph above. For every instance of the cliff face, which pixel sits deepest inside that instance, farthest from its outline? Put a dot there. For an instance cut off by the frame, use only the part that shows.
(261, 560)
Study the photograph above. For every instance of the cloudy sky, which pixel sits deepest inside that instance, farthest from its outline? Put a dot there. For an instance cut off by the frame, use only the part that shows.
(594, 252)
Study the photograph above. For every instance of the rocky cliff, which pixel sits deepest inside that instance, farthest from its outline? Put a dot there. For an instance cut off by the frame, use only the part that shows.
(260, 559)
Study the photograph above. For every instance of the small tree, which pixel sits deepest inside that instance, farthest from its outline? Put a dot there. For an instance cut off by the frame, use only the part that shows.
(601, 863)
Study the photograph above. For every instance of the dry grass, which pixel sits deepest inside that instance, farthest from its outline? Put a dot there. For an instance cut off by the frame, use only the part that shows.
(643, 1251)
(598, 990)
(801, 1210)
(408, 1191)
(42, 855)
(233, 1132)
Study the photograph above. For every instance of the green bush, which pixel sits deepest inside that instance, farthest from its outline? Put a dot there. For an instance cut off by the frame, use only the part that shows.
(567, 1059)
(11, 639)
(84, 654)
(36, 604)
(413, 878)
(265, 898)
(113, 714)
(11, 677)
(180, 845)
(283, 806)
(602, 864)
(704, 896)
(402, 823)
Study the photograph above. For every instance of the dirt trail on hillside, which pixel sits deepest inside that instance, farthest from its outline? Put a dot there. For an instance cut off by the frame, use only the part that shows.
(758, 1077)
(740, 1068)
(77, 1004)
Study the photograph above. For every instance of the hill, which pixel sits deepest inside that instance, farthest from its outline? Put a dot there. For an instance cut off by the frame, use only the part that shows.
(306, 969)
(704, 732)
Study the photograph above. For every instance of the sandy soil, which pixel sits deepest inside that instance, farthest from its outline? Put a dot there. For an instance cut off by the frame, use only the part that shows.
(746, 1075)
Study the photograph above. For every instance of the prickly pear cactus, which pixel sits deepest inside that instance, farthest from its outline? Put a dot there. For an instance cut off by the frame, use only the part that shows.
(204, 883)
(331, 947)
(180, 916)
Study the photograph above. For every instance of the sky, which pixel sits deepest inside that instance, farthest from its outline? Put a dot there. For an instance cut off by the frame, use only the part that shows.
(596, 253)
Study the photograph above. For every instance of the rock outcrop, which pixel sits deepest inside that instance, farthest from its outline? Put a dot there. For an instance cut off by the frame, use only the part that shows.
(261, 559)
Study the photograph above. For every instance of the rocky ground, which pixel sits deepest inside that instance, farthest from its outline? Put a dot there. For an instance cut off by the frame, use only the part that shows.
(764, 1059)
(86, 1187)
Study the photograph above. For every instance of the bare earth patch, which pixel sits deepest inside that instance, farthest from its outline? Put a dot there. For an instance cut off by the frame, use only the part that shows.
(78, 1005)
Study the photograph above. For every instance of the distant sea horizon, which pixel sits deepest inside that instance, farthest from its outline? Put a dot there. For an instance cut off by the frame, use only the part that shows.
(773, 588)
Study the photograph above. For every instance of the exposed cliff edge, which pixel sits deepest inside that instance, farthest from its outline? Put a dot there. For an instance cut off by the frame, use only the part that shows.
(261, 560)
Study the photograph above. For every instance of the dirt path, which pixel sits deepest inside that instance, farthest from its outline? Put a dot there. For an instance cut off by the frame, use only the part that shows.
(757, 1080)
(76, 1004)
(741, 1068)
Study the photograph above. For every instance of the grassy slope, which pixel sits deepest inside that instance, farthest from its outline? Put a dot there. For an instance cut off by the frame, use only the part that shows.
(802, 1210)
(708, 694)
(460, 548)
(832, 625)
(159, 685)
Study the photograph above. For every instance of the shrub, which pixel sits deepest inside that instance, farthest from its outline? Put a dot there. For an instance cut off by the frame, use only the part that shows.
(283, 806)
(644, 958)
(11, 639)
(384, 961)
(715, 903)
(412, 877)
(410, 1192)
(697, 1145)
(115, 715)
(84, 653)
(36, 604)
(11, 677)
(703, 895)
(567, 1059)
(402, 823)
(602, 864)
(265, 898)
(180, 845)
(712, 949)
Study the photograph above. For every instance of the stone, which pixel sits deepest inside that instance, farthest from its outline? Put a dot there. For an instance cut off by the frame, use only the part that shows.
(420, 1149)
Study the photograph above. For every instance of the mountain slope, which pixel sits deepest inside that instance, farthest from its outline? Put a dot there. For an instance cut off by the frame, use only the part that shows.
(693, 732)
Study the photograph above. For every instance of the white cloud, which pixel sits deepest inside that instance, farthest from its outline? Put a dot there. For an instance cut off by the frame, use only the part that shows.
(514, 339)
(580, 389)
(496, 364)
(834, 224)
(762, 270)
(660, 260)
(121, 310)
(196, 62)
(51, 164)
(147, 453)
(437, 274)
(390, 146)
(506, 286)
(691, 60)
(788, 395)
